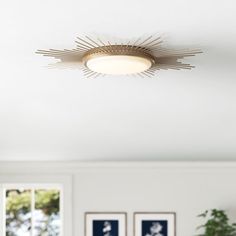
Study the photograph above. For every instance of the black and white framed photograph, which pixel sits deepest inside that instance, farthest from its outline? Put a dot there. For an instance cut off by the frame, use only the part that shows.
(105, 224)
(154, 224)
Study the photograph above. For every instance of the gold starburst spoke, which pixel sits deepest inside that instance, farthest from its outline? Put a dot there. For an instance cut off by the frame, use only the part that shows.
(147, 54)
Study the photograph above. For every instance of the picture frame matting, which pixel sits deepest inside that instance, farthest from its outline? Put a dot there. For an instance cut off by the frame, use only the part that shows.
(105, 223)
(154, 223)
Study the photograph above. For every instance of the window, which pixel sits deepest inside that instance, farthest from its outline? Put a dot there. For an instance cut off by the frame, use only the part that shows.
(35, 204)
(32, 211)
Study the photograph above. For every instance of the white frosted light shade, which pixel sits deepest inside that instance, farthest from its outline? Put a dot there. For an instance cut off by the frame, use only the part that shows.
(118, 64)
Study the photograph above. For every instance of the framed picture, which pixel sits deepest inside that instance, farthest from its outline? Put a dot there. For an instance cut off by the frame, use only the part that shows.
(105, 224)
(154, 224)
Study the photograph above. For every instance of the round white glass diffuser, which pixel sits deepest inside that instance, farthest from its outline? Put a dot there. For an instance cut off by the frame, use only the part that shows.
(118, 64)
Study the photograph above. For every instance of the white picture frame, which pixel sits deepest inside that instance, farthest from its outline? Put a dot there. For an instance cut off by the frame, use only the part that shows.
(105, 224)
(154, 223)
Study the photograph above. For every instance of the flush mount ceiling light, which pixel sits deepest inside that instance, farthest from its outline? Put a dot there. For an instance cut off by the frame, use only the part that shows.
(143, 57)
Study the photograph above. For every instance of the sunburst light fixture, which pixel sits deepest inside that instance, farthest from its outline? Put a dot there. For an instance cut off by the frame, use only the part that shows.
(141, 57)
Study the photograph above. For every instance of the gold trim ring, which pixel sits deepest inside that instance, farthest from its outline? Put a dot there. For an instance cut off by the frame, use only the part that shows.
(112, 50)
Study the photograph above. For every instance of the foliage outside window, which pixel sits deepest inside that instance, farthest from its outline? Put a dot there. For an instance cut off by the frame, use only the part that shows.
(33, 212)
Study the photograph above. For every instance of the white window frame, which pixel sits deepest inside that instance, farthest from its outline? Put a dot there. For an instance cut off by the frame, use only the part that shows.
(61, 182)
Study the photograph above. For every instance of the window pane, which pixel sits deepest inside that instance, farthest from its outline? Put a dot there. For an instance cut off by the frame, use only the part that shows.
(47, 212)
(18, 212)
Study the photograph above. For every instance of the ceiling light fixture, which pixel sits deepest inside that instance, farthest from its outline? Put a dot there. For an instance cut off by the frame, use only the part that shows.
(143, 57)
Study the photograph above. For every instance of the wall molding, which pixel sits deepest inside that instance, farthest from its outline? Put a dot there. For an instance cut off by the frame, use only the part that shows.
(26, 167)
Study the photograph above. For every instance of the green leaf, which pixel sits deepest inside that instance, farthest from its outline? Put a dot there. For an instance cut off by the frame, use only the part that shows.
(217, 224)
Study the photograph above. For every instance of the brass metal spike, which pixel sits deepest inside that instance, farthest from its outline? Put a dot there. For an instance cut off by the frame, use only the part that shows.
(148, 47)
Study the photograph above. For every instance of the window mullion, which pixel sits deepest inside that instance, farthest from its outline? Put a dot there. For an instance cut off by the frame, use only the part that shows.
(2, 211)
(32, 211)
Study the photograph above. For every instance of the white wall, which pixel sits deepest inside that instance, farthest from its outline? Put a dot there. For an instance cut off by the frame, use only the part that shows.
(186, 188)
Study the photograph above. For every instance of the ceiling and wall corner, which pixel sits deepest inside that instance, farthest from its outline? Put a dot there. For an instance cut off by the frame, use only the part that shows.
(59, 115)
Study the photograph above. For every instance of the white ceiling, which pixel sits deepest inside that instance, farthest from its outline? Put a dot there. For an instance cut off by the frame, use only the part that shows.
(59, 115)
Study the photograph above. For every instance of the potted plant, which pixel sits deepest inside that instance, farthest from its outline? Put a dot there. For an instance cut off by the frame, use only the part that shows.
(217, 224)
